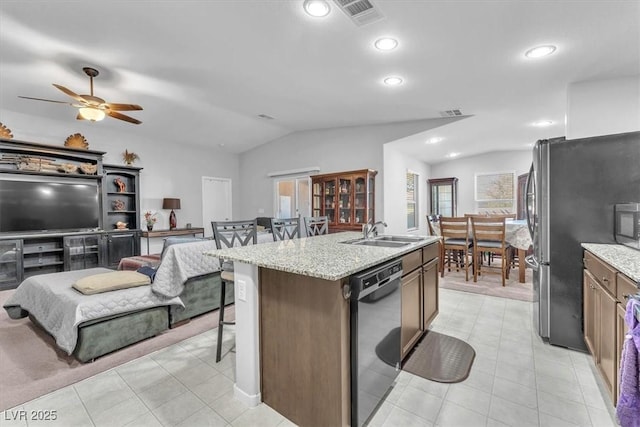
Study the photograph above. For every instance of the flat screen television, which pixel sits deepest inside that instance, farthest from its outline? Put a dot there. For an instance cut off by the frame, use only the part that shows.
(39, 206)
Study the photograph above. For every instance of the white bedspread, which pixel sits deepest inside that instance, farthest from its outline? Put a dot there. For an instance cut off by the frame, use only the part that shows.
(60, 309)
(182, 262)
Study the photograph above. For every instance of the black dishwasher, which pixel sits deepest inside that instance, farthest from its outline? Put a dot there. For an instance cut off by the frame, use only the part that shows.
(375, 337)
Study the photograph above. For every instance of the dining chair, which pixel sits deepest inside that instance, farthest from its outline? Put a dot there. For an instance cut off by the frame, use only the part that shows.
(316, 225)
(285, 228)
(455, 243)
(228, 234)
(489, 237)
(430, 220)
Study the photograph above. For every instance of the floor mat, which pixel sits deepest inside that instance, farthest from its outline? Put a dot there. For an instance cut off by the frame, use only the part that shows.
(440, 358)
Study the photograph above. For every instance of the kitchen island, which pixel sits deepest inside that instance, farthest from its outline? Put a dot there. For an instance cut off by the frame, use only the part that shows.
(292, 320)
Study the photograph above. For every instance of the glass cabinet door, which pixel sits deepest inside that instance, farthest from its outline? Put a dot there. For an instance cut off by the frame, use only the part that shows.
(344, 201)
(330, 192)
(360, 200)
(10, 263)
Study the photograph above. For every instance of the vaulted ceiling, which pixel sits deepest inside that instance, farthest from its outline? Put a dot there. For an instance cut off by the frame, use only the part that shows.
(205, 70)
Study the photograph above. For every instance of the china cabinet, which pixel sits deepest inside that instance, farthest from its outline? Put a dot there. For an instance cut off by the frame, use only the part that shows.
(443, 196)
(346, 198)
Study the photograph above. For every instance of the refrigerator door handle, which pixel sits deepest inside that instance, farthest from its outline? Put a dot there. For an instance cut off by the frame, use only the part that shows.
(532, 262)
(529, 194)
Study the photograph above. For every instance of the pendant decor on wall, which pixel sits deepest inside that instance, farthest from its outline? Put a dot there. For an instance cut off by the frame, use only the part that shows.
(5, 132)
(76, 141)
(129, 157)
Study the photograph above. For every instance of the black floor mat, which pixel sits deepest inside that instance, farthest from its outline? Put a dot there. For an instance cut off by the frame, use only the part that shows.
(440, 358)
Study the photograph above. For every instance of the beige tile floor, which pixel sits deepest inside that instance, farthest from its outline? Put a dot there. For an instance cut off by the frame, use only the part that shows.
(516, 380)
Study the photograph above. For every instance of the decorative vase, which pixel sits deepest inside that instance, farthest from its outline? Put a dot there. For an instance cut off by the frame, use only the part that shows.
(150, 227)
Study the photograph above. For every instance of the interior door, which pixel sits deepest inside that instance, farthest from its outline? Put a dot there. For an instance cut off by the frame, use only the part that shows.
(216, 202)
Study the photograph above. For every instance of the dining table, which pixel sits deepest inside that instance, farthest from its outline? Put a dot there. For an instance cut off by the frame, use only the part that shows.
(516, 234)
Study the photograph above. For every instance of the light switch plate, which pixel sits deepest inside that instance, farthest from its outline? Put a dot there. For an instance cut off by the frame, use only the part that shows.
(242, 290)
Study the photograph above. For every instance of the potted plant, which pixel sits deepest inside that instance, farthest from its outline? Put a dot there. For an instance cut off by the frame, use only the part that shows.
(150, 219)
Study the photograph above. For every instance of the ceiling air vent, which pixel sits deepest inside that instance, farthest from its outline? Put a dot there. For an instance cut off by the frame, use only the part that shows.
(361, 12)
(451, 113)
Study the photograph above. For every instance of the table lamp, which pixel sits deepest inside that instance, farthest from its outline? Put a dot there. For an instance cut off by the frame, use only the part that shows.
(171, 204)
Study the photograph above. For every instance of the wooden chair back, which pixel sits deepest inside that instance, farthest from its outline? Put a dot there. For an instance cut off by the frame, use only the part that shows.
(228, 234)
(285, 228)
(316, 226)
(488, 229)
(454, 227)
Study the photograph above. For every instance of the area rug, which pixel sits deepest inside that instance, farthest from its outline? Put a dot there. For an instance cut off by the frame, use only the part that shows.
(31, 365)
(491, 284)
(441, 358)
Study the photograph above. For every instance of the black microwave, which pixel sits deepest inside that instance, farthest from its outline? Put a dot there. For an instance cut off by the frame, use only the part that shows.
(627, 224)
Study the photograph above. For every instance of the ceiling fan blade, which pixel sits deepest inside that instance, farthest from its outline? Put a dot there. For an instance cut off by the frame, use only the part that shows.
(79, 117)
(123, 107)
(120, 116)
(42, 99)
(71, 93)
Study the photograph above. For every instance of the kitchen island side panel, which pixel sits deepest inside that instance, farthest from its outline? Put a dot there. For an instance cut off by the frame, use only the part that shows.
(304, 348)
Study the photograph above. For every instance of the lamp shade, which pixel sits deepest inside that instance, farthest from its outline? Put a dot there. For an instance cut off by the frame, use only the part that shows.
(170, 203)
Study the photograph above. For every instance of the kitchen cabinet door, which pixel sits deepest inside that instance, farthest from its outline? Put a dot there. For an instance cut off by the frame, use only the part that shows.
(607, 339)
(621, 330)
(430, 292)
(589, 312)
(411, 329)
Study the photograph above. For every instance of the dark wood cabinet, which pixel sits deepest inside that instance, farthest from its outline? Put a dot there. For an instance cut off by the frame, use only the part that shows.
(121, 197)
(443, 196)
(420, 297)
(346, 198)
(24, 254)
(121, 244)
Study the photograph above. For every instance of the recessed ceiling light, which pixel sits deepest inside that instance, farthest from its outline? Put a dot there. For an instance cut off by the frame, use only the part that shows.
(386, 43)
(317, 8)
(433, 140)
(540, 51)
(452, 155)
(393, 81)
(543, 123)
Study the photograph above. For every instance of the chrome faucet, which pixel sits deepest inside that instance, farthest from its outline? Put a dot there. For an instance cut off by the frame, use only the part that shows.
(371, 229)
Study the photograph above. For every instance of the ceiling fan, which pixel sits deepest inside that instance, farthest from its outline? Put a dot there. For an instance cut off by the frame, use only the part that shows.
(91, 107)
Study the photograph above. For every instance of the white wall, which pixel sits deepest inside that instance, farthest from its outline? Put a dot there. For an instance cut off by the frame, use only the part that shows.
(465, 169)
(170, 168)
(603, 107)
(333, 150)
(396, 165)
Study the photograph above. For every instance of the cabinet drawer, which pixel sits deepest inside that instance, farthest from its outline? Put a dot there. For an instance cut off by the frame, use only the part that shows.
(411, 261)
(625, 287)
(430, 252)
(604, 274)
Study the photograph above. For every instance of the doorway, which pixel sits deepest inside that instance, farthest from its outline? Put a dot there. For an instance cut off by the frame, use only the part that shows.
(292, 197)
(216, 202)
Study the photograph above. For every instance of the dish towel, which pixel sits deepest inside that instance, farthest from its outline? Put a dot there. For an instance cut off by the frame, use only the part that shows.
(628, 409)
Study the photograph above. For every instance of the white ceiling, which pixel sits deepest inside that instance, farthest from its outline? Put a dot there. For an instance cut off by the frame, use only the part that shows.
(204, 70)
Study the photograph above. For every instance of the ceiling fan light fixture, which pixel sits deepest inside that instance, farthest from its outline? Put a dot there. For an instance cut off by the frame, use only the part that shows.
(92, 114)
(540, 51)
(316, 8)
(393, 81)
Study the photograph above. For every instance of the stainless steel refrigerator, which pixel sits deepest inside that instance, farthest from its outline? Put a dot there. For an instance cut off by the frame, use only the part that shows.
(572, 188)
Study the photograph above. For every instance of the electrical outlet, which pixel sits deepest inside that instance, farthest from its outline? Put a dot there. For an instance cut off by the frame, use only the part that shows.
(242, 290)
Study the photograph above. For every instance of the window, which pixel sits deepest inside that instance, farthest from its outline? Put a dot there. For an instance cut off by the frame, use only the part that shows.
(412, 200)
(293, 197)
(495, 192)
(444, 196)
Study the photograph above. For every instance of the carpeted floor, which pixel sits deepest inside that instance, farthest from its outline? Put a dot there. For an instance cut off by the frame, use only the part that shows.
(31, 365)
(491, 284)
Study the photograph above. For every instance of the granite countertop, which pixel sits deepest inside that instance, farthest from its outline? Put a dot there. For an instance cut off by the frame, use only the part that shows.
(620, 257)
(323, 257)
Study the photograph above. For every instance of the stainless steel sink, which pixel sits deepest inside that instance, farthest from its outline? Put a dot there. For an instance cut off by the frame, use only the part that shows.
(376, 242)
(408, 239)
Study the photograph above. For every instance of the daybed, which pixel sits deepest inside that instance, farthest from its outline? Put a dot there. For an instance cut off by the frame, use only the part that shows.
(88, 326)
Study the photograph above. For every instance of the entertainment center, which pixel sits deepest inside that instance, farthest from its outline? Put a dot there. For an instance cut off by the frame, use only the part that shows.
(62, 209)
